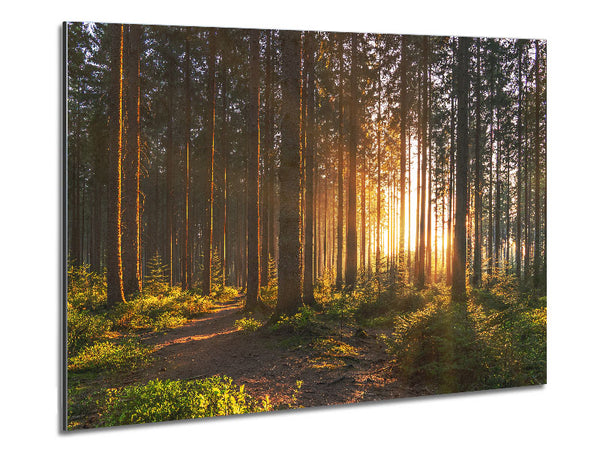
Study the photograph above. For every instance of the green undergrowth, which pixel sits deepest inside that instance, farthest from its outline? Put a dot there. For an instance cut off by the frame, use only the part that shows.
(248, 324)
(110, 356)
(158, 307)
(488, 342)
(163, 400)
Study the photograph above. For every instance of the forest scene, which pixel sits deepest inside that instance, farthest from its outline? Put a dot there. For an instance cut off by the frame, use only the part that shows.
(266, 220)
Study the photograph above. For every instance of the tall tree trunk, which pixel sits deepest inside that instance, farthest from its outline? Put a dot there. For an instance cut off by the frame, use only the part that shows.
(186, 269)
(462, 161)
(363, 212)
(131, 169)
(537, 249)
(289, 296)
(518, 227)
(253, 175)
(449, 245)
(378, 223)
(420, 281)
(429, 164)
(170, 200)
(114, 268)
(340, 167)
(208, 225)
(351, 250)
(224, 157)
(490, 243)
(267, 204)
(309, 150)
(269, 121)
(477, 214)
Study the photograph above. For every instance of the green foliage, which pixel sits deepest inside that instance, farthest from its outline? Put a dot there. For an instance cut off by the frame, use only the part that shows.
(437, 346)
(84, 328)
(367, 304)
(248, 324)
(85, 289)
(334, 348)
(268, 293)
(110, 356)
(304, 322)
(387, 305)
(489, 342)
(159, 401)
(216, 272)
(156, 281)
(157, 313)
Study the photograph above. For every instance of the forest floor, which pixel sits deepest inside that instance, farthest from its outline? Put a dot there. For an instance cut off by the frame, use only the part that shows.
(269, 365)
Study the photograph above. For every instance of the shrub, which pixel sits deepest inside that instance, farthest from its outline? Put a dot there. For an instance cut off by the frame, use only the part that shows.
(248, 324)
(84, 328)
(268, 296)
(159, 401)
(438, 346)
(303, 322)
(389, 302)
(85, 289)
(158, 313)
(110, 356)
(156, 281)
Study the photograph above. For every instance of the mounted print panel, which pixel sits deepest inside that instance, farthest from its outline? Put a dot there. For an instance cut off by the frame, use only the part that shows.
(262, 220)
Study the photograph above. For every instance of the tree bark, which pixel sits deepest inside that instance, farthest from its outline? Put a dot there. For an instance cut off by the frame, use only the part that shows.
(114, 269)
(462, 161)
(289, 297)
(210, 148)
(253, 175)
(309, 298)
(351, 238)
(131, 169)
(477, 213)
(340, 167)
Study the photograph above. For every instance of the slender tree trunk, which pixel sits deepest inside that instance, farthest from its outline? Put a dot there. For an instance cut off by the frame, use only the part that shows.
(185, 280)
(518, 227)
(289, 296)
(224, 157)
(340, 167)
(131, 169)
(450, 244)
(431, 172)
(420, 281)
(363, 212)
(537, 249)
(114, 269)
(462, 160)
(209, 210)
(253, 174)
(170, 200)
(477, 214)
(378, 222)
(351, 249)
(490, 243)
(268, 150)
(309, 150)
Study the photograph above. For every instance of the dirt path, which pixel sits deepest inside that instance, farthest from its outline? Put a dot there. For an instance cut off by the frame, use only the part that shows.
(212, 345)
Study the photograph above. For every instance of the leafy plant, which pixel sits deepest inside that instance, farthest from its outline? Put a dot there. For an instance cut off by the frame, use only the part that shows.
(161, 400)
(110, 356)
(84, 328)
(248, 324)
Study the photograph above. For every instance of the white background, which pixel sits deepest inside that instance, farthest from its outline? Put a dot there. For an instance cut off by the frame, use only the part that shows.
(564, 413)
